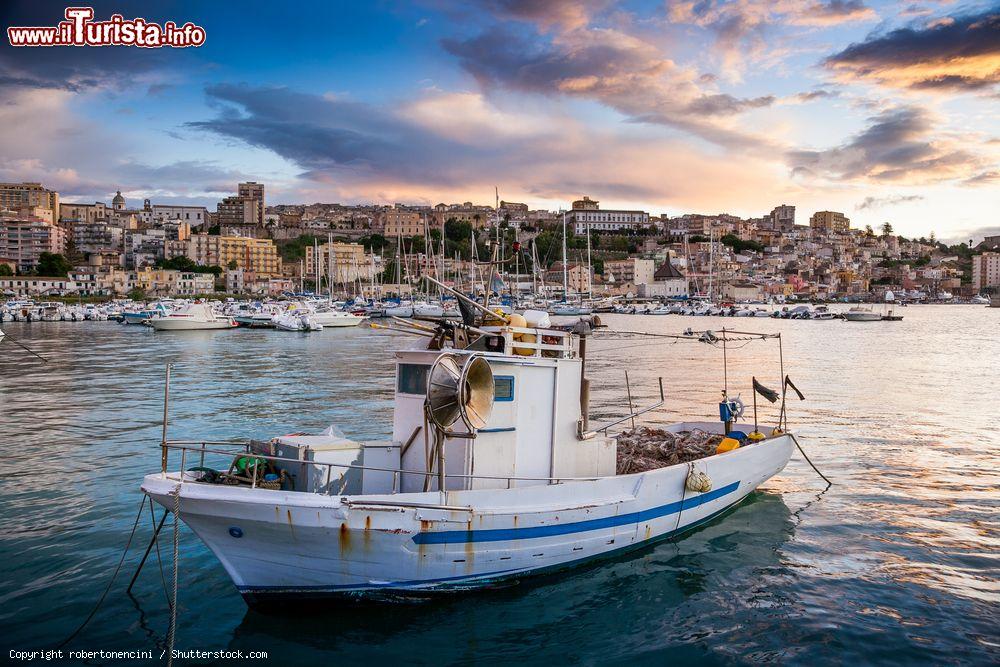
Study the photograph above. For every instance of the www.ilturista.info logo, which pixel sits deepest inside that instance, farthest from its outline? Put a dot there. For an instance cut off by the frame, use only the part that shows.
(79, 29)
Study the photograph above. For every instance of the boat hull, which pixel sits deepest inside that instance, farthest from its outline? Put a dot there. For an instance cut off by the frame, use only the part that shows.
(862, 317)
(282, 545)
(178, 324)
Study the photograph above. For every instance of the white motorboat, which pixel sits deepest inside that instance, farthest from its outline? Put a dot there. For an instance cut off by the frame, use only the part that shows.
(194, 317)
(565, 309)
(402, 309)
(862, 314)
(336, 318)
(493, 472)
(296, 320)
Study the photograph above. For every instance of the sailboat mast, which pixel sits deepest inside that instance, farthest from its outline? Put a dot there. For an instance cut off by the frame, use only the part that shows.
(565, 268)
(590, 284)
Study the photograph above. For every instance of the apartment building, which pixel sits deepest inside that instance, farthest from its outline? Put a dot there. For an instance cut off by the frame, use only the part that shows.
(257, 255)
(15, 195)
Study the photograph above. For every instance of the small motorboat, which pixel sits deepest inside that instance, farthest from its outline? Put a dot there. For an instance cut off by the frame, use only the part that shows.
(862, 314)
(195, 317)
(336, 318)
(296, 321)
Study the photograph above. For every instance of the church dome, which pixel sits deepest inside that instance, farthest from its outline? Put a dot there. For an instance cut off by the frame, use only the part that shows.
(118, 202)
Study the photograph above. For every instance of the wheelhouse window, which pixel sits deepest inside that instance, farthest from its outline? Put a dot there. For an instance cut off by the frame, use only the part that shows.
(503, 388)
(412, 379)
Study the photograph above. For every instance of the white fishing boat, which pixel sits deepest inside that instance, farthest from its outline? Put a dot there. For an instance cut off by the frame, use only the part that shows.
(194, 317)
(862, 314)
(494, 472)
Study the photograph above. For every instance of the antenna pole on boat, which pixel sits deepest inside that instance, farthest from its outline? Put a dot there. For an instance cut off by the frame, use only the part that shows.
(628, 390)
(166, 407)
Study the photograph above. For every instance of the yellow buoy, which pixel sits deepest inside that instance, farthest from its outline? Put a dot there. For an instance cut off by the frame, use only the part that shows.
(516, 320)
(756, 436)
(727, 445)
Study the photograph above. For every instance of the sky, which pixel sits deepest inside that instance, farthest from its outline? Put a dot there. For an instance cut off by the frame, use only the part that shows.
(884, 111)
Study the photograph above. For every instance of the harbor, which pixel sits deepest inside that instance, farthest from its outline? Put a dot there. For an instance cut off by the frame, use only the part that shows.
(507, 332)
(785, 551)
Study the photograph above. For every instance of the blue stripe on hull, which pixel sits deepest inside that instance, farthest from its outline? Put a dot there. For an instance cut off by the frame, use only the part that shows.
(254, 594)
(506, 534)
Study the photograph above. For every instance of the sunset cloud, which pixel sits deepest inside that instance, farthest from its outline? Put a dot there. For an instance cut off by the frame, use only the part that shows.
(618, 70)
(744, 29)
(958, 54)
(413, 153)
(898, 146)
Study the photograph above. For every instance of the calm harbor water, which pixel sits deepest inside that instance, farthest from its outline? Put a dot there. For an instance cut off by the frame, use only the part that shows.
(897, 563)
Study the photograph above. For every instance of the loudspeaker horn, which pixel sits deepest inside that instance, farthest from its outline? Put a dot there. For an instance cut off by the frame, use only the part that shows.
(460, 388)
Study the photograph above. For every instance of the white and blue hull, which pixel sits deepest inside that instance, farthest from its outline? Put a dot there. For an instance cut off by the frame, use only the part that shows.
(279, 544)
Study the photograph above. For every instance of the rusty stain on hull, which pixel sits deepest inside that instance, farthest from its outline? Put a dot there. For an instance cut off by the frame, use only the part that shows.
(344, 539)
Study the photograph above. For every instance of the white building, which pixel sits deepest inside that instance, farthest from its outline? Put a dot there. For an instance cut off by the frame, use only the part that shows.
(194, 216)
(36, 285)
(668, 282)
(986, 270)
(586, 213)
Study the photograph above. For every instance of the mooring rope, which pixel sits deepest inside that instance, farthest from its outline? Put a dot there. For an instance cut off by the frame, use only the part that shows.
(156, 543)
(803, 452)
(114, 575)
(172, 631)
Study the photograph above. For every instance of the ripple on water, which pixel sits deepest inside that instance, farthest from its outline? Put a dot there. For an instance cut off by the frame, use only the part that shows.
(897, 563)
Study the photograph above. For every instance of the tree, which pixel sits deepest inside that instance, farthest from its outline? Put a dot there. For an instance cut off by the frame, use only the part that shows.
(5, 270)
(53, 264)
(886, 229)
(458, 231)
(739, 245)
(137, 294)
(232, 265)
(869, 232)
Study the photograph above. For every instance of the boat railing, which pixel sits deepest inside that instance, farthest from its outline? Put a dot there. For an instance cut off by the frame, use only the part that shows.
(201, 448)
(536, 340)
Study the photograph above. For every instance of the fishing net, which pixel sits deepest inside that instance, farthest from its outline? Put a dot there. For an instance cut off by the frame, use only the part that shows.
(645, 448)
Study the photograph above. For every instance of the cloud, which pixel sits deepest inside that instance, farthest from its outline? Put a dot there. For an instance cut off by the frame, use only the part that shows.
(548, 14)
(983, 178)
(898, 146)
(833, 13)
(961, 54)
(613, 68)
(453, 145)
(811, 96)
(748, 31)
(873, 203)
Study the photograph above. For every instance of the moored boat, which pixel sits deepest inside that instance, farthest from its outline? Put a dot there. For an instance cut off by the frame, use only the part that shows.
(493, 472)
(194, 317)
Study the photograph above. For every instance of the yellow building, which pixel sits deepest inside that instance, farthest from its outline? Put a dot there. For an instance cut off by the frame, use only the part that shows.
(400, 222)
(830, 221)
(15, 195)
(257, 255)
(169, 282)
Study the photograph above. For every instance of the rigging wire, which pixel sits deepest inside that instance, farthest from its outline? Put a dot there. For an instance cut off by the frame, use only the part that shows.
(114, 575)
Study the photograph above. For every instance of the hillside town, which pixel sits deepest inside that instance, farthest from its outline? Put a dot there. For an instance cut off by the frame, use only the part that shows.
(50, 247)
